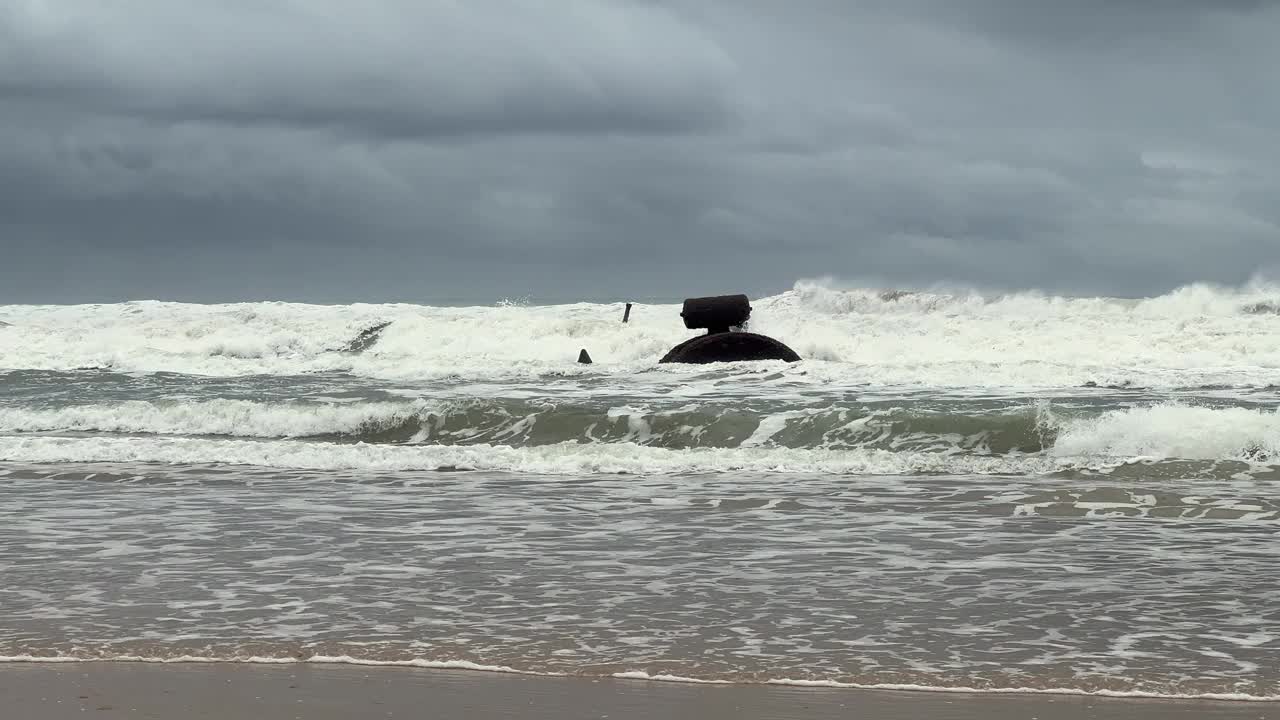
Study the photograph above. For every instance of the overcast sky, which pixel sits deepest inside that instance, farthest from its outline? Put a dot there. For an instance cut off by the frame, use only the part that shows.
(330, 150)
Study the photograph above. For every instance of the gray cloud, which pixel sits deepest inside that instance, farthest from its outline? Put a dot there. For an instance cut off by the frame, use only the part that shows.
(420, 150)
(400, 69)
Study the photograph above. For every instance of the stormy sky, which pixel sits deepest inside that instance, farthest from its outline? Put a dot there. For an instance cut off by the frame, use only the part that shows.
(418, 150)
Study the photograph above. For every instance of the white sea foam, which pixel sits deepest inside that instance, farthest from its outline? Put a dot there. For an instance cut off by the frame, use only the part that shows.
(1174, 431)
(236, 418)
(640, 675)
(558, 459)
(1194, 336)
(1158, 432)
(261, 660)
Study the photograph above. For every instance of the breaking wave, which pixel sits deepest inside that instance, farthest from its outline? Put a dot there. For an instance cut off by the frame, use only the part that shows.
(537, 423)
(1168, 430)
(952, 491)
(560, 459)
(549, 438)
(1197, 335)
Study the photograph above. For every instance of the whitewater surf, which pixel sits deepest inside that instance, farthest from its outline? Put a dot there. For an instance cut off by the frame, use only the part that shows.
(951, 490)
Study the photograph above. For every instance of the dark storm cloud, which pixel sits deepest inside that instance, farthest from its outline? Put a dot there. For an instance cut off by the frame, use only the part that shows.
(327, 150)
(403, 68)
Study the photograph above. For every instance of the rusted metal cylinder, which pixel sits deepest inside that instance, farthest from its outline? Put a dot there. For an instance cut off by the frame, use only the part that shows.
(729, 347)
(716, 314)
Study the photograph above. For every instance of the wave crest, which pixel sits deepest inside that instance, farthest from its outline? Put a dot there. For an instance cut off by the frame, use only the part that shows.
(1197, 335)
(1040, 433)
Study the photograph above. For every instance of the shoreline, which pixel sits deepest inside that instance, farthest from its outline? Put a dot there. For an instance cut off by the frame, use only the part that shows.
(340, 661)
(215, 690)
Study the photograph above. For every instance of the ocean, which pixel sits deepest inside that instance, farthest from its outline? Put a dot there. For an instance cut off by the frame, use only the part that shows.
(951, 491)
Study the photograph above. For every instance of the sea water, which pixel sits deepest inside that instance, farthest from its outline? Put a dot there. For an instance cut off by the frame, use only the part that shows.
(1016, 492)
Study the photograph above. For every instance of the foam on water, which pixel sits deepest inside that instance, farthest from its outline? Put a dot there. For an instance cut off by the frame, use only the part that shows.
(927, 581)
(558, 459)
(642, 675)
(1175, 431)
(236, 418)
(576, 438)
(1197, 335)
(953, 492)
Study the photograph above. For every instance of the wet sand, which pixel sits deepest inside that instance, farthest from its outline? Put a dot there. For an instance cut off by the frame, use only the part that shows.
(284, 692)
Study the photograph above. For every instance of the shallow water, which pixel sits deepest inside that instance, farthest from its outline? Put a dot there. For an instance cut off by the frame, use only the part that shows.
(744, 522)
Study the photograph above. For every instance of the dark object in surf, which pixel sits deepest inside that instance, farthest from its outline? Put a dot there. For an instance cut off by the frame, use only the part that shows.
(716, 314)
(584, 357)
(366, 338)
(1262, 308)
(729, 347)
(719, 316)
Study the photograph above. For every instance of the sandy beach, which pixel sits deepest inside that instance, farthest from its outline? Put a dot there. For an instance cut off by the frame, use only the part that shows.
(217, 691)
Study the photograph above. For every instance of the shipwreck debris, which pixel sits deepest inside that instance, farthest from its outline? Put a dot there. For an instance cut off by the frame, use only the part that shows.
(723, 317)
